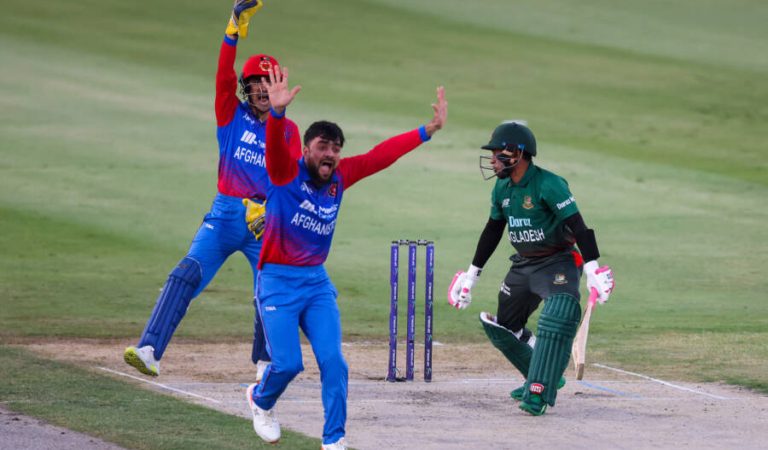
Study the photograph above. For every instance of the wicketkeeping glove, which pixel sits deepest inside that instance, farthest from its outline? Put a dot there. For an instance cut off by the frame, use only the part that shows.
(254, 216)
(460, 290)
(600, 279)
(241, 15)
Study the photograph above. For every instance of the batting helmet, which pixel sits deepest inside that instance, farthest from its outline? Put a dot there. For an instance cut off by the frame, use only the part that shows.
(512, 136)
(258, 66)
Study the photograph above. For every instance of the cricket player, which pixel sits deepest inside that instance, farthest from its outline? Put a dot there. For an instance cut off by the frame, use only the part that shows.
(542, 223)
(294, 290)
(236, 219)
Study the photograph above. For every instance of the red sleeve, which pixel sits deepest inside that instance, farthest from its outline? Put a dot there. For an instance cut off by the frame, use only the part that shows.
(226, 83)
(355, 168)
(281, 150)
(293, 139)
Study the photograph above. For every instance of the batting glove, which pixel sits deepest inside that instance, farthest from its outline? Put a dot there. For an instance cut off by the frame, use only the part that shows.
(600, 279)
(241, 16)
(254, 216)
(460, 290)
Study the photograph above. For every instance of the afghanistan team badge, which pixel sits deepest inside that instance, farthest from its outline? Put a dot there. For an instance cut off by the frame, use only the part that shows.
(527, 204)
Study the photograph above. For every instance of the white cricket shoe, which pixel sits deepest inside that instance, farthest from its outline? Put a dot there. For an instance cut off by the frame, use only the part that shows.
(265, 423)
(341, 444)
(143, 360)
(261, 366)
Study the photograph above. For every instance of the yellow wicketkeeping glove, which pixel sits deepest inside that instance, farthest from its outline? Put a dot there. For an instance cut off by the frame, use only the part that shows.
(241, 15)
(254, 216)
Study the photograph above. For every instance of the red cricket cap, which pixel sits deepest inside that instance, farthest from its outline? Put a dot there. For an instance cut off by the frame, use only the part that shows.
(258, 66)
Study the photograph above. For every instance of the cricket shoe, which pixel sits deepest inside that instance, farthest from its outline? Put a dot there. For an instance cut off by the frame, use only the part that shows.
(518, 393)
(341, 444)
(265, 423)
(143, 360)
(534, 406)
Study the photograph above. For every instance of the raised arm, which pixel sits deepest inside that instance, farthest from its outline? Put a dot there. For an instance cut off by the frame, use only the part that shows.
(226, 79)
(281, 148)
(355, 168)
(226, 82)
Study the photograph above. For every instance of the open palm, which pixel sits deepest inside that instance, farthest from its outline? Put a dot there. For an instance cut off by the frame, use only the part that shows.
(280, 95)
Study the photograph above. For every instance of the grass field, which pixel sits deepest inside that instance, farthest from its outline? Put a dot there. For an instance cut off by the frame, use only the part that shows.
(655, 114)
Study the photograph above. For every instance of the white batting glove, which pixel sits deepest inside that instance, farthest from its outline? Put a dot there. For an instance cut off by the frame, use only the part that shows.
(460, 290)
(599, 279)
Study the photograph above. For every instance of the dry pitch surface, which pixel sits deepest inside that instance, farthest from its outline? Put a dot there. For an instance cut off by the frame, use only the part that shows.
(466, 406)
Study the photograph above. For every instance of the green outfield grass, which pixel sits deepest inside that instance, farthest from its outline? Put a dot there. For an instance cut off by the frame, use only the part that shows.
(655, 114)
(119, 412)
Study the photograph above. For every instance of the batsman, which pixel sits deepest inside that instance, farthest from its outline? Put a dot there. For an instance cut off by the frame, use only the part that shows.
(543, 224)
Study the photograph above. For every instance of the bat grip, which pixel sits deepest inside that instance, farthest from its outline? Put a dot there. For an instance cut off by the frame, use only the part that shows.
(592, 296)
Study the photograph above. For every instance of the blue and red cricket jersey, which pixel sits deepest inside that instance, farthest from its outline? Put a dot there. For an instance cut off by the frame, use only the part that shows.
(241, 136)
(301, 217)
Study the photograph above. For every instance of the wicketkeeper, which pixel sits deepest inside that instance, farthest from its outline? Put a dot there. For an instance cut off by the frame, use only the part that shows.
(236, 219)
(543, 223)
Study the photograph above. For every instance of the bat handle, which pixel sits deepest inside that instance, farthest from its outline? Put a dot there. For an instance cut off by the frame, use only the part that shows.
(592, 296)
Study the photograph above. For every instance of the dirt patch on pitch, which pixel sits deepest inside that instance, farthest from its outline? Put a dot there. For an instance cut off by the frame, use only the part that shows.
(466, 406)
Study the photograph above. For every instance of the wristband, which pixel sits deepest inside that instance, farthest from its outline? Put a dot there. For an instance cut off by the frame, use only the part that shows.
(423, 134)
(275, 114)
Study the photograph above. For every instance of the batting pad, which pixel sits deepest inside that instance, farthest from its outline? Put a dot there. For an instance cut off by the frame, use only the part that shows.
(516, 351)
(556, 330)
(171, 305)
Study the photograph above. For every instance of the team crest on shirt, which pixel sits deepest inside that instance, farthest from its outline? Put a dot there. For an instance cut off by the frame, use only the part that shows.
(332, 190)
(560, 279)
(527, 204)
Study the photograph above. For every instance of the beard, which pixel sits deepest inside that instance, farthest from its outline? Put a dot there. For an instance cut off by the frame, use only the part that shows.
(314, 174)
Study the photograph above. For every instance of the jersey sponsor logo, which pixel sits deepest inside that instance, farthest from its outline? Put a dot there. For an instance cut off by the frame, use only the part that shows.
(249, 137)
(505, 203)
(560, 279)
(527, 204)
(519, 223)
(208, 225)
(324, 212)
(536, 388)
(518, 237)
(565, 203)
(270, 308)
(309, 206)
(308, 223)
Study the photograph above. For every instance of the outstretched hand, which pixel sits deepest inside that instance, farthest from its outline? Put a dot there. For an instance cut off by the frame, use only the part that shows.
(441, 113)
(280, 96)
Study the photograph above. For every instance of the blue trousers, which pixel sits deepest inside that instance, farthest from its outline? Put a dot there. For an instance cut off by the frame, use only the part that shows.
(290, 298)
(222, 233)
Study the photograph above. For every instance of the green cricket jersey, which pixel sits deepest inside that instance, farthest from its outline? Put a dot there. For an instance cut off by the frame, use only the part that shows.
(535, 210)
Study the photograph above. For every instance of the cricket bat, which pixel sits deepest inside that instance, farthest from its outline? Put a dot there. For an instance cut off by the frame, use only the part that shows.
(579, 349)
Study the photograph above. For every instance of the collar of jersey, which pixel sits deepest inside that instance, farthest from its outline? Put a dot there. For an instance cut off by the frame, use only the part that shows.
(529, 173)
(249, 111)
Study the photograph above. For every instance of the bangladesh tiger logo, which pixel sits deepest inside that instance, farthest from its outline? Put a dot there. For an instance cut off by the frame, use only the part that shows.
(527, 204)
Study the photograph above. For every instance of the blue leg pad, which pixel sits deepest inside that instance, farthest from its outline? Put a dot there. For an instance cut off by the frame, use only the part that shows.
(171, 305)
